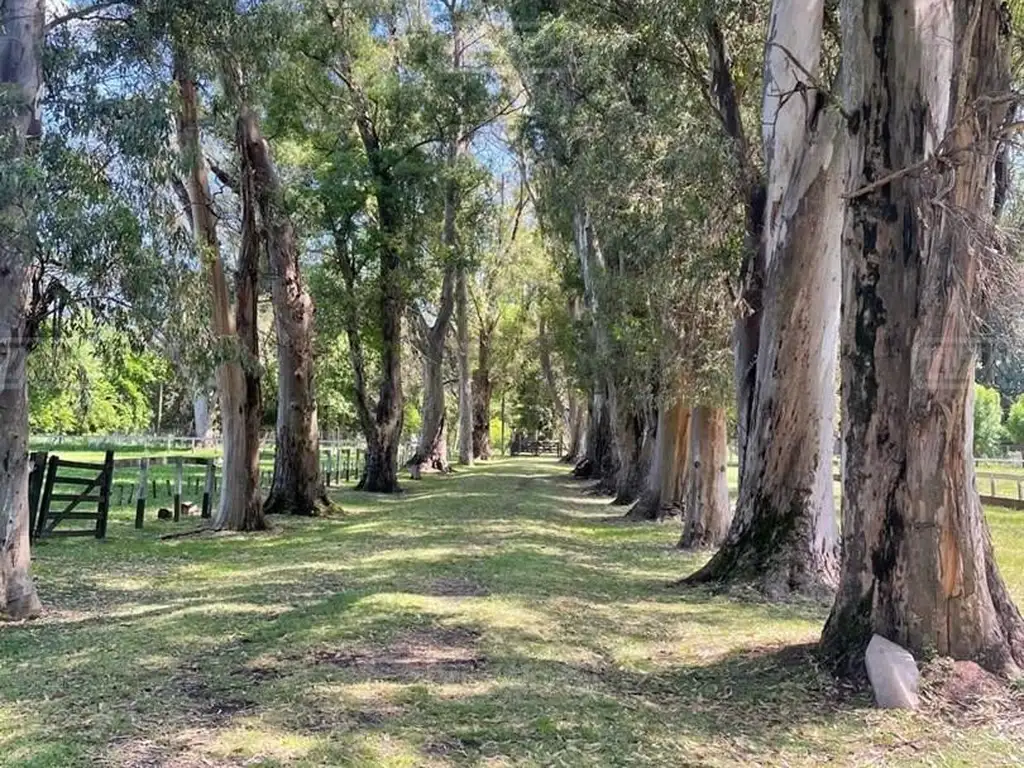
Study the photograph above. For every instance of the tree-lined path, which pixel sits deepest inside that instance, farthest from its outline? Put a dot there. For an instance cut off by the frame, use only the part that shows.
(497, 617)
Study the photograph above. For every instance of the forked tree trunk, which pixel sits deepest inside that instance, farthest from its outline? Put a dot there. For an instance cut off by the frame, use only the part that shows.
(432, 452)
(382, 428)
(918, 566)
(663, 496)
(240, 504)
(783, 536)
(248, 516)
(708, 512)
(298, 485)
(381, 424)
(381, 472)
(482, 398)
(21, 49)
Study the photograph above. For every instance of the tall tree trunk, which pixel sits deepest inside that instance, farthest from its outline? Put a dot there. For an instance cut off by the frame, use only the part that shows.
(482, 398)
(747, 328)
(576, 447)
(465, 370)
(21, 75)
(548, 369)
(201, 417)
(382, 452)
(240, 501)
(927, 77)
(599, 461)
(708, 512)
(381, 472)
(783, 538)
(248, 516)
(382, 428)
(665, 484)
(298, 486)
(432, 452)
(606, 448)
(635, 440)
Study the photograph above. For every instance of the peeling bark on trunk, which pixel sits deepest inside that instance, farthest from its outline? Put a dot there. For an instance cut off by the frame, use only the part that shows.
(21, 77)
(482, 399)
(708, 512)
(664, 495)
(240, 504)
(298, 485)
(432, 452)
(924, 77)
(783, 536)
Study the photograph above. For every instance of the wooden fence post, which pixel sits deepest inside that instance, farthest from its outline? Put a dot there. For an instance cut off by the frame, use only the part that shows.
(178, 470)
(51, 476)
(35, 487)
(348, 464)
(140, 502)
(208, 490)
(105, 487)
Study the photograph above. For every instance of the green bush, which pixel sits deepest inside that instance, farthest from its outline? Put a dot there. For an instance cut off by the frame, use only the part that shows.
(1015, 422)
(988, 421)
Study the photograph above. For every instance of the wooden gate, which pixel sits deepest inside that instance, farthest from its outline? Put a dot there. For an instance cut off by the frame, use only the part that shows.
(64, 493)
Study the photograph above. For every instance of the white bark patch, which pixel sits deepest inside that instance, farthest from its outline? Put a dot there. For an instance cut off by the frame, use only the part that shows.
(792, 62)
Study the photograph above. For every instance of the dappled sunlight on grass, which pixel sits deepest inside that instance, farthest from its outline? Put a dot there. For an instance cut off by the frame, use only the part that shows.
(252, 739)
(501, 616)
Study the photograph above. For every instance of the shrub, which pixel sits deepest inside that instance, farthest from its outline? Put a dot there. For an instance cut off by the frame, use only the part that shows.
(988, 418)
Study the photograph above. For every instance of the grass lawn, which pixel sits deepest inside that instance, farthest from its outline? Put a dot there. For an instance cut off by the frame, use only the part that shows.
(500, 617)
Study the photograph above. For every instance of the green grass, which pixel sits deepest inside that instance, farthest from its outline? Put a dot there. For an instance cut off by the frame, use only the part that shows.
(500, 617)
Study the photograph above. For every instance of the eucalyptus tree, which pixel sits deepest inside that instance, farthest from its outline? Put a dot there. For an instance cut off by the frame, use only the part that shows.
(448, 49)
(784, 537)
(569, 60)
(370, 127)
(241, 505)
(629, 174)
(430, 338)
(21, 75)
(926, 98)
(298, 483)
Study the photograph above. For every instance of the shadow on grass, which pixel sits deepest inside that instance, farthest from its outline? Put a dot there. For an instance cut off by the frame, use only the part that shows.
(495, 613)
